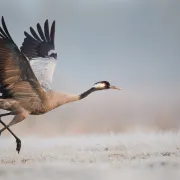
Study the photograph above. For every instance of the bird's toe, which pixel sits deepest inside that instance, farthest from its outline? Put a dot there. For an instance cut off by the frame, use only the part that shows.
(18, 146)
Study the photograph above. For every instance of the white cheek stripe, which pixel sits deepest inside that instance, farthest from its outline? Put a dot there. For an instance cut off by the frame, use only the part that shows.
(99, 85)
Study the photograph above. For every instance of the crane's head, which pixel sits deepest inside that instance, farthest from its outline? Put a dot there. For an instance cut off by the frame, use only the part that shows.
(101, 85)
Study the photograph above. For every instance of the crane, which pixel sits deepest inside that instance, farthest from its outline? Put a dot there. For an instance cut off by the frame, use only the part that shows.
(26, 75)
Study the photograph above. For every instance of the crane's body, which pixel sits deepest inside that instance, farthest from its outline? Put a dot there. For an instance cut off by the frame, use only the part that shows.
(35, 108)
(26, 76)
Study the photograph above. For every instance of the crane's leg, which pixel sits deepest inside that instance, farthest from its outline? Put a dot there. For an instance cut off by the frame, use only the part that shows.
(17, 118)
(1, 115)
(18, 141)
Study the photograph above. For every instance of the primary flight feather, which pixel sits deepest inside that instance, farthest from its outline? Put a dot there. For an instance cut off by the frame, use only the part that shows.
(40, 51)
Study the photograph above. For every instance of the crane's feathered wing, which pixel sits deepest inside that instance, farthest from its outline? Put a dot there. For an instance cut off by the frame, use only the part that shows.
(40, 50)
(17, 80)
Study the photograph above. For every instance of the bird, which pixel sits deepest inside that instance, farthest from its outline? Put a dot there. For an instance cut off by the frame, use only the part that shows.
(26, 75)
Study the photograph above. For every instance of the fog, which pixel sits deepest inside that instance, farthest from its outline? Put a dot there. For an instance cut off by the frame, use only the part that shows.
(132, 44)
(129, 156)
(127, 134)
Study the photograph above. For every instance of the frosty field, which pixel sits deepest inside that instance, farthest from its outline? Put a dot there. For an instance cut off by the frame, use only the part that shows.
(79, 157)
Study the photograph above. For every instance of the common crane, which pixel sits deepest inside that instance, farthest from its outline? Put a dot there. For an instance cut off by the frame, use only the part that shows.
(26, 76)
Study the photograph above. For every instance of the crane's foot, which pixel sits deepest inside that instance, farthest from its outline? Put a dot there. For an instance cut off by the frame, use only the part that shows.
(18, 145)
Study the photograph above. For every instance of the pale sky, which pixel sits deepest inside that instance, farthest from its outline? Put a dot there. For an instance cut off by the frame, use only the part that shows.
(135, 44)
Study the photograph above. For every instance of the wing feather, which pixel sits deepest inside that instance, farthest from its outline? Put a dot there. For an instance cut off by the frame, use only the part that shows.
(3, 35)
(41, 32)
(29, 36)
(46, 30)
(41, 53)
(5, 29)
(33, 32)
(52, 34)
(17, 79)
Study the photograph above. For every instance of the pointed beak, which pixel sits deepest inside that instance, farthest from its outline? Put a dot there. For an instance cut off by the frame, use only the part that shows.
(114, 87)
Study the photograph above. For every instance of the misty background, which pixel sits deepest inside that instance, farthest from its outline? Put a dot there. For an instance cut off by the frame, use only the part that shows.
(132, 44)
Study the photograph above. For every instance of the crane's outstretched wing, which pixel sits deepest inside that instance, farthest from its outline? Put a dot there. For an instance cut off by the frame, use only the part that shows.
(40, 50)
(17, 79)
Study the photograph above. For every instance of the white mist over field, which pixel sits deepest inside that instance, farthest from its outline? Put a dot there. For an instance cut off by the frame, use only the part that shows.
(131, 134)
(127, 156)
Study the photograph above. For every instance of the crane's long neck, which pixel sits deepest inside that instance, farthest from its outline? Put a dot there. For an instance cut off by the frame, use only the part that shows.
(58, 99)
(86, 93)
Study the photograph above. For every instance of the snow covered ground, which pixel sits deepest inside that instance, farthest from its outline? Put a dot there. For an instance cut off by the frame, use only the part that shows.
(136, 156)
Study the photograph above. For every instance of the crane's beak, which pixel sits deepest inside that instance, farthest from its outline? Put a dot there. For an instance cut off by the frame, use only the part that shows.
(114, 87)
